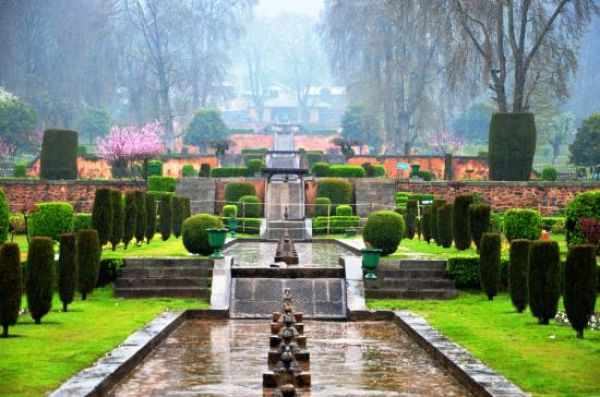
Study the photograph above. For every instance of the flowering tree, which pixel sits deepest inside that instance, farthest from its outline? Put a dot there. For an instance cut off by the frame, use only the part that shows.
(6, 148)
(444, 142)
(131, 147)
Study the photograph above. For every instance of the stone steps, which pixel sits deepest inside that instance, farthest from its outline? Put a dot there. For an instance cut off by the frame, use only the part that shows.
(433, 294)
(295, 229)
(410, 283)
(157, 272)
(154, 292)
(160, 282)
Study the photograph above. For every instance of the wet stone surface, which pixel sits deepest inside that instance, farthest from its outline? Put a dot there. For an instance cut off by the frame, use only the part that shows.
(227, 358)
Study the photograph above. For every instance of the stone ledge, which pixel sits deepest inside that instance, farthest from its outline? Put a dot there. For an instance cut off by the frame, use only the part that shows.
(82, 182)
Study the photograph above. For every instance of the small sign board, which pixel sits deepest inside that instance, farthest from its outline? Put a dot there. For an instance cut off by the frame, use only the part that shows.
(402, 166)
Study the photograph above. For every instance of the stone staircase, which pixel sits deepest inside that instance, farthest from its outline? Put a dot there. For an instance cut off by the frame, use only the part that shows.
(296, 230)
(166, 277)
(411, 279)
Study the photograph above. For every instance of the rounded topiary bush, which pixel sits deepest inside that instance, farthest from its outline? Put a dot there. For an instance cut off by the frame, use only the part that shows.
(150, 217)
(523, 224)
(88, 258)
(118, 219)
(204, 170)
(580, 286)
(155, 168)
(518, 269)
(584, 205)
(51, 220)
(320, 169)
(165, 210)
(250, 207)
(230, 211)
(489, 264)
(479, 221)
(512, 143)
(426, 222)
(411, 218)
(444, 225)
(4, 217)
(20, 171)
(255, 166)
(234, 191)
(437, 203)
(102, 214)
(323, 207)
(384, 229)
(68, 269)
(544, 279)
(11, 285)
(140, 215)
(343, 210)
(188, 171)
(157, 183)
(130, 215)
(461, 229)
(40, 277)
(549, 174)
(195, 237)
(347, 171)
(338, 190)
(58, 159)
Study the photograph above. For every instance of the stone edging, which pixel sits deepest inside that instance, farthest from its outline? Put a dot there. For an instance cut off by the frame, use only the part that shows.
(478, 378)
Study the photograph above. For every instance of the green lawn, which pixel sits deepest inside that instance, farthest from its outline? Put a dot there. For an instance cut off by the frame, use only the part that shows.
(543, 360)
(38, 358)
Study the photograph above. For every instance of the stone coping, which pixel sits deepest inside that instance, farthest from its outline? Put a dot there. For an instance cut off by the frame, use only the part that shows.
(478, 378)
(300, 271)
(91, 182)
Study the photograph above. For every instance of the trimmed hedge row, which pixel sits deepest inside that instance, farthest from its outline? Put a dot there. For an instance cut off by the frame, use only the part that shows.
(234, 191)
(246, 225)
(335, 224)
(584, 205)
(337, 190)
(346, 171)
(161, 183)
(230, 172)
(522, 224)
(51, 220)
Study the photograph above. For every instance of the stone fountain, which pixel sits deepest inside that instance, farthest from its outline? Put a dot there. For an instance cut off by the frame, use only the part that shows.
(288, 359)
(286, 252)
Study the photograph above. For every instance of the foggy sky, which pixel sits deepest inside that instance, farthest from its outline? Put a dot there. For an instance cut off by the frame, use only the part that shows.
(270, 8)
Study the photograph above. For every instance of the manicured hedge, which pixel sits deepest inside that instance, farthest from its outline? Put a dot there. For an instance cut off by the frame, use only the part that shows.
(384, 229)
(118, 218)
(444, 225)
(335, 224)
(68, 269)
(195, 237)
(20, 171)
(140, 216)
(39, 286)
(88, 258)
(401, 199)
(314, 156)
(584, 205)
(178, 206)
(150, 217)
(544, 279)
(339, 191)
(489, 264)
(51, 220)
(479, 221)
(130, 217)
(517, 273)
(461, 229)
(11, 285)
(102, 214)
(522, 223)
(346, 171)
(320, 169)
(434, 220)
(155, 168)
(250, 207)
(255, 166)
(246, 225)
(426, 222)
(411, 218)
(188, 171)
(229, 172)
(230, 211)
(234, 191)
(58, 159)
(512, 143)
(549, 174)
(580, 286)
(323, 207)
(465, 271)
(343, 210)
(204, 170)
(82, 220)
(4, 217)
(161, 183)
(165, 211)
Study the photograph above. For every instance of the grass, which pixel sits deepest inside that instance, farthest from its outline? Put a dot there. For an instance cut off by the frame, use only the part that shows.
(38, 358)
(543, 360)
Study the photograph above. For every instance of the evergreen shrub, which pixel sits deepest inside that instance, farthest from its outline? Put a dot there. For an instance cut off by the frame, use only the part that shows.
(102, 214)
(444, 225)
(140, 215)
(343, 210)
(549, 174)
(20, 171)
(518, 269)
(155, 168)
(426, 222)
(346, 171)
(88, 258)
(580, 286)
(522, 224)
(544, 279)
(255, 166)
(489, 264)
(11, 285)
(247, 225)
(437, 203)
(335, 224)
(479, 221)
(39, 286)
(234, 191)
(584, 205)
(82, 220)
(460, 221)
(337, 190)
(58, 159)
(230, 211)
(50, 220)
(150, 204)
(4, 217)
(195, 237)
(313, 157)
(512, 142)
(161, 183)
(118, 218)
(323, 207)
(68, 269)
(411, 218)
(465, 271)
(320, 169)
(384, 229)
(250, 207)
(130, 215)
(165, 211)
(188, 171)
(229, 172)
(178, 207)
(204, 170)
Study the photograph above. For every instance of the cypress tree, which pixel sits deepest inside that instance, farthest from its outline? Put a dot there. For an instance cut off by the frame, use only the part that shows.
(489, 264)
(102, 214)
(68, 269)
(518, 269)
(512, 142)
(11, 285)
(140, 218)
(88, 256)
(434, 220)
(444, 225)
(150, 217)
(460, 221)
(130, 217)
(479, 221)
(40, 277)
(178, 207)
(580, 286)
(544, 279)
(411, 218)
(187, 207)
(166, 220)
(118, 218)
(426, 223)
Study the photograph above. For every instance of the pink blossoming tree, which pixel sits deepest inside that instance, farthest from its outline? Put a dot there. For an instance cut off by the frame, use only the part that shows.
(131, 147)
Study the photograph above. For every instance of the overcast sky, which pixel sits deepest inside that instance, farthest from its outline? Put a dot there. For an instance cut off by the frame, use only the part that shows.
(270, 8)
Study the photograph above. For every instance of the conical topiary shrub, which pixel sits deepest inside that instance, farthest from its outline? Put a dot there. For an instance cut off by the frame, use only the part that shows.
(479, 221)
(102, 214)
(580, 286)
(518, 269)
(489, 264)
(461, 230)
(88, 257)
(166, 216)
(426, 223)
(512, 143)
(150, 217)
(40, 277)
(544, 279)
(11, 285)
(411, 218)
(434, 220)
(130, 218)
(444, 225)
(178, 207)
(68, 269)
(140, 216)
(118, 218)
(58, 159)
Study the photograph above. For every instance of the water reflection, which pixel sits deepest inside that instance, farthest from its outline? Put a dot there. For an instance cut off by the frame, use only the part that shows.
(227, 358)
